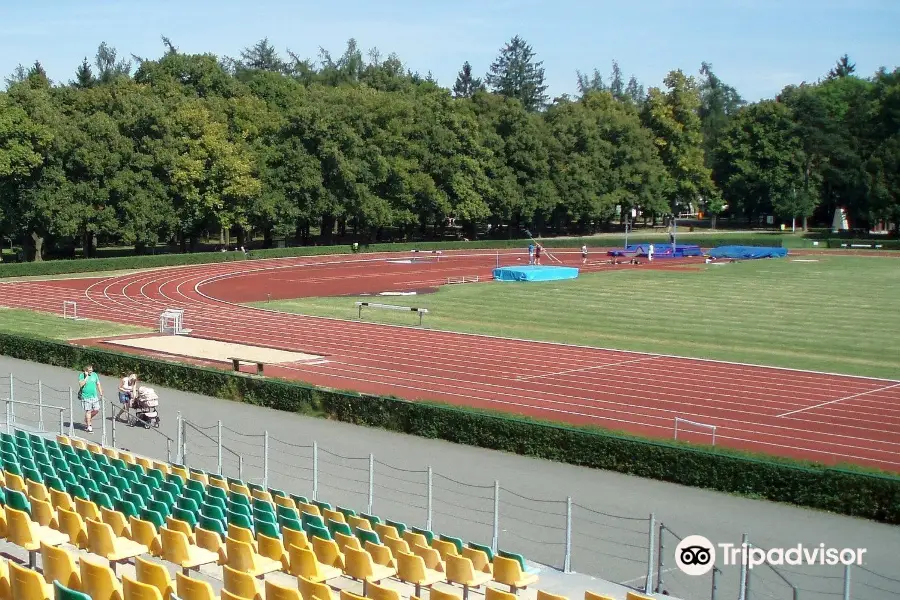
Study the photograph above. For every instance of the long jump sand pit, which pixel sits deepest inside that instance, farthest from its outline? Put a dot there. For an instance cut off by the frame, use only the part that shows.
(193, 347)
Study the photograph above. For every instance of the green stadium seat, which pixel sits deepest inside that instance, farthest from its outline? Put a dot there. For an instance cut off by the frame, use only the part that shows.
(217, 502)
(216, 492)
(336, 527)
(268, 529)
(212, 524)
(213, 512)
(102, 500)
(61, 592)
(136, 499)
(453, 540)
(157, 518)
(185, 515)
(314, 531)
(364, 535)
(372, 519)
(299, 499)
(264, 515)
(346, 511)
(429, 536)
(321, 505)
(243, 509)
(486, 549)
(311, 519)
(193, 495)
(158, 507)
(17, 500)
(263, 505)
(239, 520)
(127, 508)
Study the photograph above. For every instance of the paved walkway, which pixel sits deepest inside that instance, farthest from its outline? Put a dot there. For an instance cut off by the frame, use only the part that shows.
(609, 518)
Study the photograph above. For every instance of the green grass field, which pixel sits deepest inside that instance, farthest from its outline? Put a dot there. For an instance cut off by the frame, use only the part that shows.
(26, 322)
(838, 314)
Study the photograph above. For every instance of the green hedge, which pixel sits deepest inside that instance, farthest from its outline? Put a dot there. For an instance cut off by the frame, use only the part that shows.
(90, 265)
(846, 491)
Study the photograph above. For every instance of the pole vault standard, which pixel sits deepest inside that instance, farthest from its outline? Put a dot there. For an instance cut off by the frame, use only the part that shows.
(535, 242)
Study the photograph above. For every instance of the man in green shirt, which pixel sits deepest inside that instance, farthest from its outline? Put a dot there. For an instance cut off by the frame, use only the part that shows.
(91, 393)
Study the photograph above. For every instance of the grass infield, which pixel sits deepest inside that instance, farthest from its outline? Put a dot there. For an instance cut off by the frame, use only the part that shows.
(836, 314)
(35, 324)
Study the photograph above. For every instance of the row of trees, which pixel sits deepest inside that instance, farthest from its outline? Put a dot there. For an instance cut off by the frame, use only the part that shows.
(142, 151)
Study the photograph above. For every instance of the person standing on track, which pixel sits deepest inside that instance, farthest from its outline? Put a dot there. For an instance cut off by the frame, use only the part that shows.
(531, 253)
(650, 253)
(90, 392)
(583, 253)
(537, 254)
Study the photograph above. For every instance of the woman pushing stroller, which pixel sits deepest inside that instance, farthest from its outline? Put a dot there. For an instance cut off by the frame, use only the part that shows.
(127, 393)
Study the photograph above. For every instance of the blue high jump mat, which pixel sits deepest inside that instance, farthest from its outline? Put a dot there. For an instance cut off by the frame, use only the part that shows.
(748, 252)
(535, 273)
(660, 250)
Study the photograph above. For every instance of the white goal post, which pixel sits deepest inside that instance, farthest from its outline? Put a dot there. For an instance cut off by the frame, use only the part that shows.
(681, 423)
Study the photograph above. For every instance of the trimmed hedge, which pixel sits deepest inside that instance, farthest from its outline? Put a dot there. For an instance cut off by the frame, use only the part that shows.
(90, 265)
(845, 491)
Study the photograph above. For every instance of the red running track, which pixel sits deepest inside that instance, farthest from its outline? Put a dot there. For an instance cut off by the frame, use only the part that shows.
(822, 417)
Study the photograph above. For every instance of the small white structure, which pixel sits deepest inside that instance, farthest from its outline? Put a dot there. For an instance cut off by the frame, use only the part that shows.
(172, 321)
(839, 223)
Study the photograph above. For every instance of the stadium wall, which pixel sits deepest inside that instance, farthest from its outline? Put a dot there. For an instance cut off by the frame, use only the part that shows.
(849, 491)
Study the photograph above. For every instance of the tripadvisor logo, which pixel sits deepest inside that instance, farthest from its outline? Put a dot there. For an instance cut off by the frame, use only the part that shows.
(696, 555)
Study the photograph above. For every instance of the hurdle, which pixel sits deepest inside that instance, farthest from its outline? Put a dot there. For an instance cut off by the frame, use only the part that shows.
(463, 279)
(70, 310)
(172, 321)
(683, 422)
(361, 305)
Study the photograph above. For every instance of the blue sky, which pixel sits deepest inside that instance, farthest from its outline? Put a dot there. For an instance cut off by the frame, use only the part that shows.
(758, 46)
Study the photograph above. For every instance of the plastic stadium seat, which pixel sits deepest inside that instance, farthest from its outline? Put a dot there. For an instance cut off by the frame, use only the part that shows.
(461, 572)
(445, 549)
(383, 529)
(305, 564)
(26, 584)
(377, 592)
(294, 537)
(37, 490)
(542, 595)
(181, 526)
(333, 515)
(367, 535)
(145, 533)
(335, 527)
(58, 564)
(154, 574)
(87, 509)
(177, 550)
(242, 557)
(211, 541)
(414, 539)
(267, 529)
(508, 571)
(276, 591)
(521, 560)
(359, 565)
(272, 548)
(327, 551)
(193, 589)
(434, 594)
(411, 569)
(453, 540)
(495, 594)
(241, 534)
(381, 554)
(344, 541)
(589, 595)
(317, 532)
(135, 590)
(429, 536)
(23, 532)
(61, 592)
(479, 560)
(103, 542)
(311, 589)
(117, 521)
(17, 500)
(242, 585)
(71, 524)
(396, 545)
(42, 513)
(358, 523)
(348, 595)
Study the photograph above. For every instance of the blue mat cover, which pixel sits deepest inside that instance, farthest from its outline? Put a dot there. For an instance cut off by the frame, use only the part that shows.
(663, 250)
(535, 273)
(748, 252)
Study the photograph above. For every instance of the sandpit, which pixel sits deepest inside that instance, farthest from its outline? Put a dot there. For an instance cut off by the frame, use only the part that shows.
(212, 349)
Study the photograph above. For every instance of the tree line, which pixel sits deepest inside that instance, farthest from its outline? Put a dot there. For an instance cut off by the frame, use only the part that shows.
(142, 151)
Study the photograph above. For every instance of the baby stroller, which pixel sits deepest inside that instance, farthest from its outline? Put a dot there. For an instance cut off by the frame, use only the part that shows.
(145, 405)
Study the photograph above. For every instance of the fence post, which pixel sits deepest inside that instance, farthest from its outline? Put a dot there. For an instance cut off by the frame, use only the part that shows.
(567, 561)
(371, 482)
(62, 422)
(102, 422)
(742, 595)
(715, 573)
(219, 447)
(651, 546)
(168, 450)
(315, 493)
(660, 560)
(428, 502)
(114, 431)
(12, 406)
(265, 481)
(846, 582)
(183, 441)
(9, 417)
(71, 412)
(178, 457)
(495, 539)
(40, 405)
(241, 467)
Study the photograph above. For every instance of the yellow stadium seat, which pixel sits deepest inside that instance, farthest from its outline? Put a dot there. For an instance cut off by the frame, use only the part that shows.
(292, 537)
(219, 483)
(431, 557)
(193, 589)
(327, 552)
(43, 514)
(3, 528)
(242, 557)
(58, 564)
(61, 500)
(343, 541)
(285, 501)
(411, 569)
(381, 555)
(127, 458)
(71, 523)
(181, 526)
(414, 539)
(37, 490)
(310, 589)
(144, 532)
(79, 444)
(163, 467)
(240, 488)
(443, 548)
(507, 571)
(14, 482)
(333, 515)
(154, 574)
(263, 495)
(242, 585)
(210, 540)
(434, 594)
(5, 591)
(303, 563)
(358, 523)
(348, 595)
(589, 595)
(27, 584)
(103, 542)
(636, 596)
(241, 534)
(461, 572)
(117, 521)
(180, 472)
(144, 462)
(110, 452)
(87, 509)
(382, 530)
(63, 439)
(378, 592)
(542, 595)
(24, 532)
(359, 565)
(273, 549)
(495, 594)
(275, 591)
(201, 477)
(135, 590)
(396, 545)
(176, 549)
(309, 508)
(479, 558)
(226, 595)
(98, 581)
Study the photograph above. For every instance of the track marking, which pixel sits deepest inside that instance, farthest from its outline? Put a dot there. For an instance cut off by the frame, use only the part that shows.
(799, 410)
(615, 364)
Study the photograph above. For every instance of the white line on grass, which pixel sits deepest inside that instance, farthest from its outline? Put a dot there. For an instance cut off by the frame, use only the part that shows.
(799, 410)
(603, 366)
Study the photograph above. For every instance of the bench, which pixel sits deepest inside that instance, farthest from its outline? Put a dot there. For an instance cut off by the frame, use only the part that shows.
(236, 363)
(421, 311)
